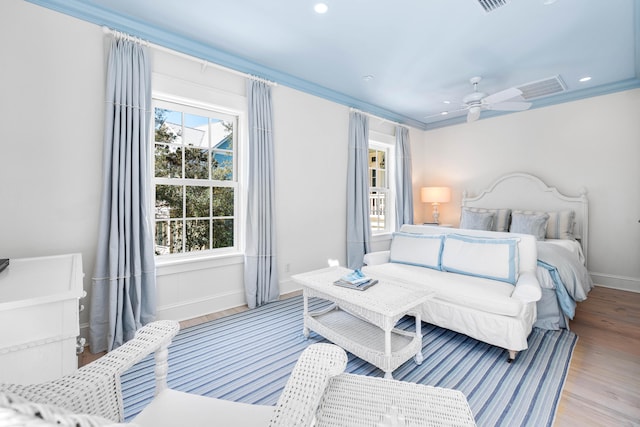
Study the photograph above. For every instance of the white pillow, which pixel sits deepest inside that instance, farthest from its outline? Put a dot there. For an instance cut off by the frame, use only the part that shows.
(495, 259)
(417, 249)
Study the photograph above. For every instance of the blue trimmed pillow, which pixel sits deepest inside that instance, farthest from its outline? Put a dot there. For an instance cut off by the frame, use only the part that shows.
(529, 223)
(472, 220)
(500, 220)
(496, 259)
(423, 250)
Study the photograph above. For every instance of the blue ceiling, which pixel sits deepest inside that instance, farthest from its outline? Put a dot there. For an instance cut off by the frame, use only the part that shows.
(418, 55)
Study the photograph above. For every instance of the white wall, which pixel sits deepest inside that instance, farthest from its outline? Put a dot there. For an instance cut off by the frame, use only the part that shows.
(592, 143)
(51, 115)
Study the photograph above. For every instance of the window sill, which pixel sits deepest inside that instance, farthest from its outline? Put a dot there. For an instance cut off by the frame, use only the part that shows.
(382, 237)
(171, 265)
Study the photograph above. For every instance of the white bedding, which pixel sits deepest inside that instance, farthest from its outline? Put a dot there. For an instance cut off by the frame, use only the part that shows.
(544, 278)
(562, 260)
(572, 246)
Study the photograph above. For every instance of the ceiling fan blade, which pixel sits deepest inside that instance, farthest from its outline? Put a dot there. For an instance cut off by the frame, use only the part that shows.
(509, 106)
(473, 114)
(502, 96)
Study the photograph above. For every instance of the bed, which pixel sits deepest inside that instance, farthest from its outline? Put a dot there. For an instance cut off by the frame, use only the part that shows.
(521, 202)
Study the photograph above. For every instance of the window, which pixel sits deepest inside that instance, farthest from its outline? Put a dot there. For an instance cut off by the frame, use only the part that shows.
(195, 179)
(380, 196)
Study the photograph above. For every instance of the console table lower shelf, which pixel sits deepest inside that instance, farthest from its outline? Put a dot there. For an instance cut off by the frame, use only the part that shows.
(384, 349)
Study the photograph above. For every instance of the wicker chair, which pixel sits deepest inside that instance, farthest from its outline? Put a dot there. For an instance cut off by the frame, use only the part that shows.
(92, 395)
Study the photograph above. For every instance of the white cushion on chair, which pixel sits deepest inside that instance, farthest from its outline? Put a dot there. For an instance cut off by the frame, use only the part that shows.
(175, 408)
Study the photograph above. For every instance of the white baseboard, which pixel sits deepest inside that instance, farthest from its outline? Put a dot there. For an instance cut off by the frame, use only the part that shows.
(190, 309)
(200, 307)
(288, 285)
(616, 282)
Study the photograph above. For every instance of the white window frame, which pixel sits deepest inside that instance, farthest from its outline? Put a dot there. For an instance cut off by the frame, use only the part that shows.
(383, 142)
(194, 106)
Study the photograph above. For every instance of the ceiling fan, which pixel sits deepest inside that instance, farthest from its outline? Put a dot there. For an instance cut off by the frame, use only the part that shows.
(477, 101)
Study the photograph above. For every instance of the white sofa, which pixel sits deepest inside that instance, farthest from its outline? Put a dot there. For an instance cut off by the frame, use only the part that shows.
(484, 281)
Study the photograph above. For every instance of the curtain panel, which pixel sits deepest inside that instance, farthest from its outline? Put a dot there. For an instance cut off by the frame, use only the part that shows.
(358, 221)
(260, 268)
(404, 186)
(123, 295)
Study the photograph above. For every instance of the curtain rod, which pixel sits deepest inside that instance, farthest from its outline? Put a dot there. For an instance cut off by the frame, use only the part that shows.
(204, 63)
(355, 110)
(130, 37)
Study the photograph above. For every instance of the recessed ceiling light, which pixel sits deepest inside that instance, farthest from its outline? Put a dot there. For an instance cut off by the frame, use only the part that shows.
(321, 8)
(447, 102)
(367, 78)
(444, 113)
(548, 2)
(584, 79)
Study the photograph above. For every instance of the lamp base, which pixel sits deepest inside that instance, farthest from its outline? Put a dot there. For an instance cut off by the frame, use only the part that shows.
(436, 214)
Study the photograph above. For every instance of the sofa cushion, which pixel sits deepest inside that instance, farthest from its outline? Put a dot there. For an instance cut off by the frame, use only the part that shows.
(177, 408)
(416, 249)
(477, 293)
(495, 259)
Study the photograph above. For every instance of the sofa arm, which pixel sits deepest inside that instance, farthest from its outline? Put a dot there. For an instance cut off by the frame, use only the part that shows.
(375, 258)
(527, 288)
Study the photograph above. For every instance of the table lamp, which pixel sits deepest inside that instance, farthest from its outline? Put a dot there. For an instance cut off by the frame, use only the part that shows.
(435, 196)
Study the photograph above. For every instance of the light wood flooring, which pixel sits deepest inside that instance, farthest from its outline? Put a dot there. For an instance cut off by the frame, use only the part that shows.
(603, 384)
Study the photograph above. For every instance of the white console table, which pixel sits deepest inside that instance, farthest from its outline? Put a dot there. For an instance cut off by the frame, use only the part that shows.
(39, 317)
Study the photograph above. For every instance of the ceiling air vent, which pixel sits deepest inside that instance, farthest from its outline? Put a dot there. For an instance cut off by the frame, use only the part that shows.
(544, 87)
(490, 5)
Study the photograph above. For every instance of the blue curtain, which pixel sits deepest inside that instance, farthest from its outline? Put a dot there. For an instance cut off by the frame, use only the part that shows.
(404, 186)
(358, 222)
(260, 269)
(123, 295)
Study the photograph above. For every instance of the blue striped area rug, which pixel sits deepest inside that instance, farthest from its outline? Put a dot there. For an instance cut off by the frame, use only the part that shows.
(247, 357)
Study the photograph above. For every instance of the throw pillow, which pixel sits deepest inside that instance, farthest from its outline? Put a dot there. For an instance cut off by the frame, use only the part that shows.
(500, 220)
(416, 249)
(477, 220)
(560, 225)
(495, 259)
(529, 223)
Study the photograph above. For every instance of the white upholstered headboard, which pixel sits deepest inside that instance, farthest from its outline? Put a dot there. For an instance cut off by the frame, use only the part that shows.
(527, 192)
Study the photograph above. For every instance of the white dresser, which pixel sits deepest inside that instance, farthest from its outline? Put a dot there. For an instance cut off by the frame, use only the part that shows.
(39, 319)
